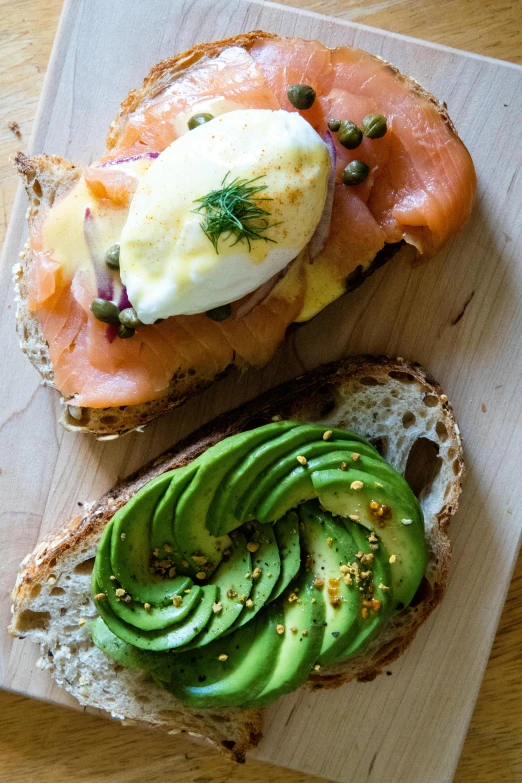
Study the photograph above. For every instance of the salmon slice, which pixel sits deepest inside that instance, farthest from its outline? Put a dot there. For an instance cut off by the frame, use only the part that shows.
(286, 62)
(232, 77)
(430, 182)
(113, 184)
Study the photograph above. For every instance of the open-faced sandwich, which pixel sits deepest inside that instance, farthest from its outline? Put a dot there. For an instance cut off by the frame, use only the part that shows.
(295, 540)
(246, 185)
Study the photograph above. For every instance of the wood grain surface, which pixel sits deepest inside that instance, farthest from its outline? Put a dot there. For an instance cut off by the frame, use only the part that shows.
(42, 742)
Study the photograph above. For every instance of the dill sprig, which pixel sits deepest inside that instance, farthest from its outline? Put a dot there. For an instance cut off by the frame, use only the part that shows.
(235, 210)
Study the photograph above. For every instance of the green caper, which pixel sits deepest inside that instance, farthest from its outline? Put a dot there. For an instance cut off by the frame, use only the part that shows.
(374, 126)
(219, 313)
(355, 172)
(350, 136)
(106, 311)
(129, 318)
(334, 125)
(302, 96)
(199, 119)
(125, 332)
(112, 256)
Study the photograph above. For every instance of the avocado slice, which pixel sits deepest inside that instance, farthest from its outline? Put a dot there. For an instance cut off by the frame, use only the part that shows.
(286, 531)
(214, 465)
(266, 566)
(162, 612)
(328, 546)
(406, 541)
(123, 653)
(293, 485)
(234, 492)
(201, 680)
(299, 651)
(369, 626)
(169, 638)
(233, 574)
(162, 527)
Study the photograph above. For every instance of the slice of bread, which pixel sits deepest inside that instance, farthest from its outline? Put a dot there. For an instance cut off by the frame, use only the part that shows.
(46, 177)
(395, 405)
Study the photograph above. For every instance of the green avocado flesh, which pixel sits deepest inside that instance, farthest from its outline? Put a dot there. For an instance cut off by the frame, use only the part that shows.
(276, 552)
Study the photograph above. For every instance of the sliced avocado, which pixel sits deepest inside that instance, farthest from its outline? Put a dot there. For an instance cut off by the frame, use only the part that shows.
(402, 534)
(201, 680)
(123, 653)
(328, 546)
(266, 566)
(286, 531)
(214, 465)
(160, 613)
(289, 490)
(234, 493)
(300, 648)
(131, 552)
(368, 627)
(169, 638)
(234, 585)
(162, 527)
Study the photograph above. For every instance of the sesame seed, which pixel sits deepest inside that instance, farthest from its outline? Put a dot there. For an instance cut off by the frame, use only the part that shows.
(146, 606)
(123, 536)
(177, 600)
(188, 590)
(327, 435)
(280, 629)
(217, 607)
(82, 621)
(200, 575)
(293, 628)
(355, 456)
(383, 587)
(393, 558)
(223, 657)
(231, 593)
(249, 603)
(318, 582)
(317, 667)
(329, 541)
(199, 560)
(364, 613)
(256, 573)
(302, 460)
(444, 397)
(120, 592)
(407, 521)
(304, 632)
(356, 485)
(248, 576)
(167, 547)
(355, 517)
(378, 485)
(252, 546)
(100, 597)
(112, 578)
(184, 563)
(155, 552)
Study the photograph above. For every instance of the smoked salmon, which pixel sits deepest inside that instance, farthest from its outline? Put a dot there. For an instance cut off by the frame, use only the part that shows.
(420, 189)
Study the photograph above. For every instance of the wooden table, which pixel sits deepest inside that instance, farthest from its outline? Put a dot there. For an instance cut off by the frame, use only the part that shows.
(46, 743)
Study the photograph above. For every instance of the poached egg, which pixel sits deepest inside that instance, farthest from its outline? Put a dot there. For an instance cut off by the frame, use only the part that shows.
(167, 262)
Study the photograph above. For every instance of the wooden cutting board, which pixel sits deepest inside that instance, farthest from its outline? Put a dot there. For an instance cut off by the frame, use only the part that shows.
(460, 316)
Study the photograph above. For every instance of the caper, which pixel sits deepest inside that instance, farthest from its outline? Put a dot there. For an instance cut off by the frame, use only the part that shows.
(199, 119)
(334, 125)
(355, 172)
(112, 256)
(125, 332)
(129, 318)
(350, 136)
(302, 96)
(374, 126)
(105, 311)
(219, 313)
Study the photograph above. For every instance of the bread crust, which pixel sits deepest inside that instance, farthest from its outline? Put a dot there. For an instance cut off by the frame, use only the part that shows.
(301, 399)
(51, 175)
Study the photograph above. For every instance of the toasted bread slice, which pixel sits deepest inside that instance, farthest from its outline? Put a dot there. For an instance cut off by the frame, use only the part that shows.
(47, 177)
(395, 405)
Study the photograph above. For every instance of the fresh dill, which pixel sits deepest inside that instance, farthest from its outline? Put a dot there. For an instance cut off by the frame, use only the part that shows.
(236, 210)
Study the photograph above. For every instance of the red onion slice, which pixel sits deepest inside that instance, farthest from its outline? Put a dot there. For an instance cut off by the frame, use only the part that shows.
(320, 235)
(124, 301)
(254, 299)
(103, 279)
(128, 159)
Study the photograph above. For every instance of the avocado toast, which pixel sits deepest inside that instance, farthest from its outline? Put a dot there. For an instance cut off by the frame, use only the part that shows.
(389, 403)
